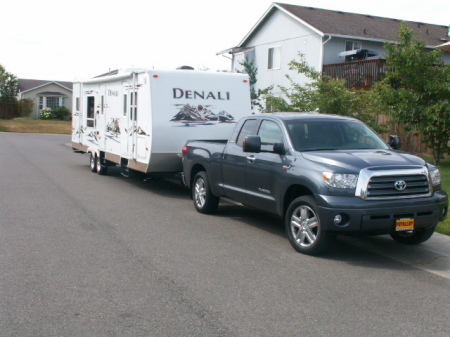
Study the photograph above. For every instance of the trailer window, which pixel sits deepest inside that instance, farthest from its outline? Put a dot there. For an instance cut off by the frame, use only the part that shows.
(124, 105)
(133, 106)
(90, 111)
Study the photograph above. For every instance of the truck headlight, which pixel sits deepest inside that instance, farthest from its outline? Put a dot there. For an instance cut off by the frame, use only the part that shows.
(435, 176)
(340, 180)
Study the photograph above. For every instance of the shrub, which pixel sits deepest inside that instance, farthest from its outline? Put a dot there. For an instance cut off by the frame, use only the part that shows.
(61, 113)
(45, 113)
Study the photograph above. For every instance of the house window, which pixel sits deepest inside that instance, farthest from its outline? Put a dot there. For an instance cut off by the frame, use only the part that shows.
(352, 45)
(52, 102)
(274, 58)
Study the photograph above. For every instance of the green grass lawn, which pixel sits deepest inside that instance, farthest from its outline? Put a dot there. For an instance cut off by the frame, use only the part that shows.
(444, 167)
(29, 125)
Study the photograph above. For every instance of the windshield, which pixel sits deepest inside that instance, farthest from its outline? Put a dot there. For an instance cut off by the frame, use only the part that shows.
(332, 135)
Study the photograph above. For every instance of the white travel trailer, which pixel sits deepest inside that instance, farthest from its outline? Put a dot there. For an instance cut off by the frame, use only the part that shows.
(141, 119)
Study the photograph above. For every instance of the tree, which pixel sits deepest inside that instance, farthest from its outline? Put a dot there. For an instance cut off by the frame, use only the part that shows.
(8, 86)
(326, 95)
(255, 95)
(416, 91)
(25, 106)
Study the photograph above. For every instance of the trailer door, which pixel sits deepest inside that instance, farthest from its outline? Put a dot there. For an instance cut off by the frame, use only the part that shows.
(129, 121)
(100, 120)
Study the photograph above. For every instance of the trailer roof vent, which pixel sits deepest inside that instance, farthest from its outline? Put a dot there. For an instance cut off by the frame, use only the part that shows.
(185, 68)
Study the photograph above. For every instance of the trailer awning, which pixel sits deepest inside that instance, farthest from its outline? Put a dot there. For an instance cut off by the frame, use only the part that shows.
(444, 47)
(358, 52)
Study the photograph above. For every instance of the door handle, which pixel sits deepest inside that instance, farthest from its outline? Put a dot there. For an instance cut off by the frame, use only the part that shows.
(251, 158)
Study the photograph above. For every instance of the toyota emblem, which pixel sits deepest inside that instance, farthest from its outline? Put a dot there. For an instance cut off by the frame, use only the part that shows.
(400, 185)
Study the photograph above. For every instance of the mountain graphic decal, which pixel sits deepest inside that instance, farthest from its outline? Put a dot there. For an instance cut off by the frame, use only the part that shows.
(201, 114)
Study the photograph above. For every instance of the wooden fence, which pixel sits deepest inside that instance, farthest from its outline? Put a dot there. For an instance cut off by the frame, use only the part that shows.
(362, 75)
(358, 74)
(8, 110)
(411, 142)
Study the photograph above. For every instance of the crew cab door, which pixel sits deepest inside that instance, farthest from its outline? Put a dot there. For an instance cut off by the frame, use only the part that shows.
(234, 163)
(265, 169)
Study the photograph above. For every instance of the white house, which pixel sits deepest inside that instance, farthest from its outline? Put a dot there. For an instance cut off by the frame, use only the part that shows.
(46, 94)
(324, 37)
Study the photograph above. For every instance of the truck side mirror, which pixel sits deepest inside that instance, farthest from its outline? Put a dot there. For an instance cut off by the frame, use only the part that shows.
(279, 148)
(252, 144)
(394, 142)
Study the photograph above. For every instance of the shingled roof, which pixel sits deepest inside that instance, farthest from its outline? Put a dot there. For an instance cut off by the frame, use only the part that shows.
(26, 84)
(344, 24)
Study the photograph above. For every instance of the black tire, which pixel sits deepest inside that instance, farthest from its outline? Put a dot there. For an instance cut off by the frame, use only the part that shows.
(101, 169)
(204, 201)
(93, 162)
(414, 237)
(304, 229)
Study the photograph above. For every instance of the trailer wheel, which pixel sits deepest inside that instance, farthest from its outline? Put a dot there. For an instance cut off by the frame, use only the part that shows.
(304, 229)
(101, 169)
(204, 201)
(93, 162)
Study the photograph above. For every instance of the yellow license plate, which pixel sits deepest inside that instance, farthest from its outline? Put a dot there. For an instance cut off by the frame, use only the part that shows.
(404, 225)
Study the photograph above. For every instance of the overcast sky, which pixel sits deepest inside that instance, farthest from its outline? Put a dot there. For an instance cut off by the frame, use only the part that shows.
(69, 40)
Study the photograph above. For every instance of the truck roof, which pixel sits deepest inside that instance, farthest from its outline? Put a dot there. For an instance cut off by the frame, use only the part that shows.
(302, 115)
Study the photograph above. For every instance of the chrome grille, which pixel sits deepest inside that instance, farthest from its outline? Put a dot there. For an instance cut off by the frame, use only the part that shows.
(384, 186)
(376, 183)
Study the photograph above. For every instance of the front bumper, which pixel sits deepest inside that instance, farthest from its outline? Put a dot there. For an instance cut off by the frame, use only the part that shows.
(378, 217)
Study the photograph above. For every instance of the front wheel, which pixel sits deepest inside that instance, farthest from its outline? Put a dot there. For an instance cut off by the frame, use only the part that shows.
(303, 227)
(204, 201)
(413, 237)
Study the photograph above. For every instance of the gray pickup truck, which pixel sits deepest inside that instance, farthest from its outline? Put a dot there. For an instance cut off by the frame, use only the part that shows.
(326, 175)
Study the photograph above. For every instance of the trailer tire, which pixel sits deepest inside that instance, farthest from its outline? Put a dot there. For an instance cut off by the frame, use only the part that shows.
(204, 200)
(93, 162)
(101, 169)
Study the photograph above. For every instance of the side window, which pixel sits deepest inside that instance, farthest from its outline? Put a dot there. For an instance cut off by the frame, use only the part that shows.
(133, 105)
(246, 130)
(270, 134)
(274, 58)
(124, 105)
(90, 111)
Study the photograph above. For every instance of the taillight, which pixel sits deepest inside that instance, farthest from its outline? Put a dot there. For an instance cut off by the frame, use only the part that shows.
(184, 150)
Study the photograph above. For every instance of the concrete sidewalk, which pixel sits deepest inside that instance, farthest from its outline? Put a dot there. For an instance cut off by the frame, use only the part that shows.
(432, 255)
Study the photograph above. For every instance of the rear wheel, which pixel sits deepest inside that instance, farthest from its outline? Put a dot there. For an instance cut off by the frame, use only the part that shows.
(93, 162)
(413, 237)
(204, 201)
(101, 169)
(303, 227)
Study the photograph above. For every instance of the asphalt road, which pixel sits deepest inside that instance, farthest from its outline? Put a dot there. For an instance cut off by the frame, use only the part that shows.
(89, 255)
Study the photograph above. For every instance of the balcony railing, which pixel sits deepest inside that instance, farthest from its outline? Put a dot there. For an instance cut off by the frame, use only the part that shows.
(358, 74)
